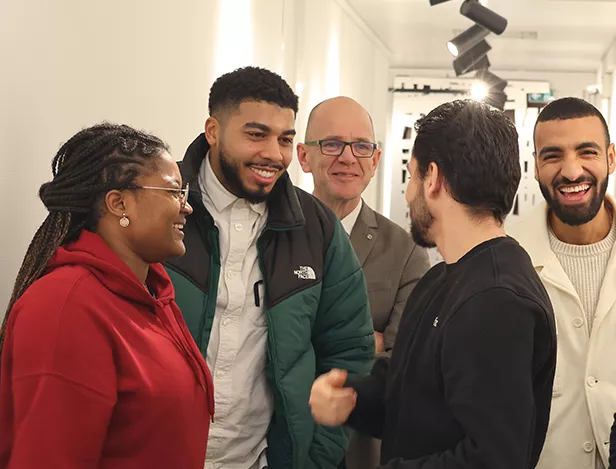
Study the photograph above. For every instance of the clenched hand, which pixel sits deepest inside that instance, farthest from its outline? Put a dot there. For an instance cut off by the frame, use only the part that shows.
(331, 403)
(379, 341)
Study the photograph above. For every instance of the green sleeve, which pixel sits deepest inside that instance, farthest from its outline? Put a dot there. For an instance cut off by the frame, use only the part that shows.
(343, 337)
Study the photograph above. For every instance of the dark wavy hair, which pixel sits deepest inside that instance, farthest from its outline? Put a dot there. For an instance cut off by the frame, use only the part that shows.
(476, 149)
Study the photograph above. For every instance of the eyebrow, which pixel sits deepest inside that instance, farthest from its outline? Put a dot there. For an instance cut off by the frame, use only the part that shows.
(581, 146)
(266, 128)
(338, 137)
(172, 180)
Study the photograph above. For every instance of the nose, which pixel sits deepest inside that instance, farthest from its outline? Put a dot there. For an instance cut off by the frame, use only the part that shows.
(271, 151)
(187, 209)
(571, 168)
(347, 156)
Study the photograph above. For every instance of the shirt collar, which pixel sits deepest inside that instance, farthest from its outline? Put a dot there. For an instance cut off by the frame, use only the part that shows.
(349, 221)
(218, 194)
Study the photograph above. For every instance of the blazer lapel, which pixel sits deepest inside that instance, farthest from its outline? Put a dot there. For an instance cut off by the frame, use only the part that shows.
(364, 233)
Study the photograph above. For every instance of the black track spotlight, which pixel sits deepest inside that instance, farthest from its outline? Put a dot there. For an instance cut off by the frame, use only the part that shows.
(496, 99)
(481, 64)
(492, 81)
(483, 16)
(436, 2)
(464, 62)
(467, 39)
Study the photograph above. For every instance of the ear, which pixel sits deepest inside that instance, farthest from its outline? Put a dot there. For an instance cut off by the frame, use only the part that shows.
(536, 166)
(433, 181)
(611, 154)
(212, 131)
(375, 160)
(302, 157)
(115, 203)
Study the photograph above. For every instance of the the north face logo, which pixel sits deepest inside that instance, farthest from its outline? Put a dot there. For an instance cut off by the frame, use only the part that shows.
(305, 273)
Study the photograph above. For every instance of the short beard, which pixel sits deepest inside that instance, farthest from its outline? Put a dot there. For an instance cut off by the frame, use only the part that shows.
(421, 221)
(576, 216)
(231, 173)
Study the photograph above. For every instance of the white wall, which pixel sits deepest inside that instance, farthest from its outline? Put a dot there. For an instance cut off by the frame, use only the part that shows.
(338, 55)
(68, 64)
(607, 78)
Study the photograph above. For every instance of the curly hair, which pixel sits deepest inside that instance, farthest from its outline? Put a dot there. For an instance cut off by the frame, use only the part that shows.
(90, 164)
(250, 84)
(476, 149)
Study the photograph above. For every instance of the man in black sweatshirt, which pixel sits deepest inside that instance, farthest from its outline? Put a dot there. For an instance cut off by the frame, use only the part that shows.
(469, 383)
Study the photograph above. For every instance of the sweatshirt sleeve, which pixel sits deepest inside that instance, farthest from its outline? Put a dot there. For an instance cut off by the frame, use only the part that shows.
(58, 368)
(487, 366)
(368, 417)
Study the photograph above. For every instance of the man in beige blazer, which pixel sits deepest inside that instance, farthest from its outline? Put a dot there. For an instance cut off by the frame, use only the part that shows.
(571, 239)
(341, 153)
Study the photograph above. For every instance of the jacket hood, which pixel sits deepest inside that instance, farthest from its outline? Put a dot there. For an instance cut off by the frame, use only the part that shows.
(92, 252)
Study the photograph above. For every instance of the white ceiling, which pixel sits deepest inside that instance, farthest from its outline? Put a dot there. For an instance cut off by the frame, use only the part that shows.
(543, 35)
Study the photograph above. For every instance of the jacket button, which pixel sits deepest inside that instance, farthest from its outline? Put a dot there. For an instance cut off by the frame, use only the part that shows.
(578, 322)
(592, 382)
(589, 447)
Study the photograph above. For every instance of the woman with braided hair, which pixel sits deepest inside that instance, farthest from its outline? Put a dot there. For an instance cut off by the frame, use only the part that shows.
(98, 369)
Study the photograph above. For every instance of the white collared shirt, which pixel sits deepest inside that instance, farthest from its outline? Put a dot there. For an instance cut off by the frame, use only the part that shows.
(237, 349)
(349, 221)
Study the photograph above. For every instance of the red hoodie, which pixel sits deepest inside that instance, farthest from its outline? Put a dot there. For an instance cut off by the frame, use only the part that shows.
(99, 374)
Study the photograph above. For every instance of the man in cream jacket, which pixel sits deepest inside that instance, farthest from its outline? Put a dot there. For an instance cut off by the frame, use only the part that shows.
(570, 239)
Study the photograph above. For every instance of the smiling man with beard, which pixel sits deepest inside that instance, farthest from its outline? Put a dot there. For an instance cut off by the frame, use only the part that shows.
(570, 239)
(269, 286)
(469, 382)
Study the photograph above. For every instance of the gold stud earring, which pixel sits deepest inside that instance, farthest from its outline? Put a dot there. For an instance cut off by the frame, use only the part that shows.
(124, 221)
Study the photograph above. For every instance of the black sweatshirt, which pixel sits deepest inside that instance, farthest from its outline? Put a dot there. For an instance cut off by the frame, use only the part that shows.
(469, 383)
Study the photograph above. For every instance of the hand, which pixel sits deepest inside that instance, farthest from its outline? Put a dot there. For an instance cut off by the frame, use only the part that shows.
(330, 402)
(380, 342)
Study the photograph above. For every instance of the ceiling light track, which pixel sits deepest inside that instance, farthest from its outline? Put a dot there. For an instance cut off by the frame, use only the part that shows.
(470, 49)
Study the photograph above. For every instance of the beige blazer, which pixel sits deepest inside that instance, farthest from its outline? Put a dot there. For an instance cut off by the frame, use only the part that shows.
(584, 395)
(392, 265)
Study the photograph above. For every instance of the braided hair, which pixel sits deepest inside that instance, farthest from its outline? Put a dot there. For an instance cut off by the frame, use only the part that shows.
(93, 162)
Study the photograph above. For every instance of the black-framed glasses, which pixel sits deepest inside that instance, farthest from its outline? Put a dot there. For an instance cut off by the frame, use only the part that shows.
(179, 194)
(334, 147)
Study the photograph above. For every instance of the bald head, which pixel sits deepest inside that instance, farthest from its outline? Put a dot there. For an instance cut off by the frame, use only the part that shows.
(339, 179)
(326, 116)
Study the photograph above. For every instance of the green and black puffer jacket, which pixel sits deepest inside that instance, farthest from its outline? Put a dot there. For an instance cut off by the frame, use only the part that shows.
(315, 302)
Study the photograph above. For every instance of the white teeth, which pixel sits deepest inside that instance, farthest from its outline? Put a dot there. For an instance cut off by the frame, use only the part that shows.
(177, 226)
(263, 172)
(572, 189)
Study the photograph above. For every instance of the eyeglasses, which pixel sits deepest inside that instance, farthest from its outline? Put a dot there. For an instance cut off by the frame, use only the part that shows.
(333, 147)
(179, 194)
